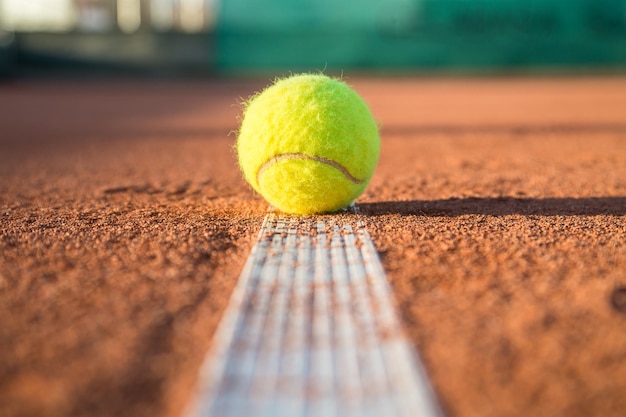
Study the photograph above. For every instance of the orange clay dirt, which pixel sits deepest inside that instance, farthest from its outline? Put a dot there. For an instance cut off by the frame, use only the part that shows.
(498, 209)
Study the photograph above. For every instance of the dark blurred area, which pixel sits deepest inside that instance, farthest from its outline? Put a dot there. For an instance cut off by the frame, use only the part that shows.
(207, 37)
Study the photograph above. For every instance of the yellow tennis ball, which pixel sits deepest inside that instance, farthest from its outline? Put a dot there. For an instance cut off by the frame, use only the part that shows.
(308, 144)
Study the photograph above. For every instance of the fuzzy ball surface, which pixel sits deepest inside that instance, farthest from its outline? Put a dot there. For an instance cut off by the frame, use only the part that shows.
(308, 144)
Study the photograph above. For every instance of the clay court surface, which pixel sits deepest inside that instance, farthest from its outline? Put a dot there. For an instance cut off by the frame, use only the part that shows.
(498, 210)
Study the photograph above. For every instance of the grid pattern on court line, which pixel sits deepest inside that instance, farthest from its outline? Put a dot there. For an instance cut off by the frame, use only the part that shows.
(311, 331)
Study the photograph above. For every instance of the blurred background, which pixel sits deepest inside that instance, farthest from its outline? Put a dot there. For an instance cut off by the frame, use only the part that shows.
(183, 37)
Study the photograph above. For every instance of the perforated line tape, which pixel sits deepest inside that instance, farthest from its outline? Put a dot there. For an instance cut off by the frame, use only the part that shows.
(311, 330)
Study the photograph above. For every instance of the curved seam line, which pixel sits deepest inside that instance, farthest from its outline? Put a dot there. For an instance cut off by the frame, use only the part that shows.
(320, 159)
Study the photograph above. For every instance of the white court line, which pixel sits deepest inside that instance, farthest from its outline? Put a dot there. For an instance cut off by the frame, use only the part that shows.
(311, 330)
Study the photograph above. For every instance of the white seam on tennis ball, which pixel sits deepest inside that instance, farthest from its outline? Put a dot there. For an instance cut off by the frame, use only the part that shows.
(326, 161)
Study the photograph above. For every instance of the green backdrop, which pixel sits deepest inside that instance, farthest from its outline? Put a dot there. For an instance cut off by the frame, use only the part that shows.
(424, 34)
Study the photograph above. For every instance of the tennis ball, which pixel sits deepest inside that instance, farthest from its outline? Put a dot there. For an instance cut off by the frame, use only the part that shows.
(308, 144)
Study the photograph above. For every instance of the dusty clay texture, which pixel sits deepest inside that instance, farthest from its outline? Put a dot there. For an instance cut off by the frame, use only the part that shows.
(498, 209)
